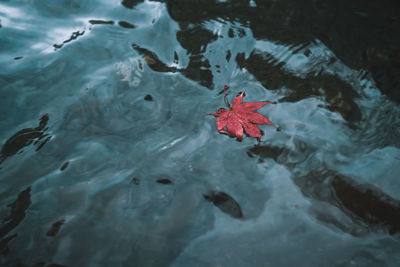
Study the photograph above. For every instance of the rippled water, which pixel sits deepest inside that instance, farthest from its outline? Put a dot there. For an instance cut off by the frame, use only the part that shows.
(109, 157)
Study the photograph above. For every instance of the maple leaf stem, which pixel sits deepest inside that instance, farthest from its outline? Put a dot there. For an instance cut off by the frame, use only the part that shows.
(225, 97)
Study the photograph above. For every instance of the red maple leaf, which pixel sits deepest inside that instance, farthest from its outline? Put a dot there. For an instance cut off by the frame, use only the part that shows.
(241, 117)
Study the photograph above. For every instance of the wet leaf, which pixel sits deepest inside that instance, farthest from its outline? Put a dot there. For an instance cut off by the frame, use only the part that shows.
(241, 118)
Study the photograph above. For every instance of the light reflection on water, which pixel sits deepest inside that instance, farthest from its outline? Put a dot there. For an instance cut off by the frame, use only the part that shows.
(128, 107)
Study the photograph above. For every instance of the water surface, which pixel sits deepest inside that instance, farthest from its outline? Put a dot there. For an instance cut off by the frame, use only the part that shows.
(108, 156)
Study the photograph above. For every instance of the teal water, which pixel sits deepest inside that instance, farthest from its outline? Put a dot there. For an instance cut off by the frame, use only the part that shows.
(108, 157)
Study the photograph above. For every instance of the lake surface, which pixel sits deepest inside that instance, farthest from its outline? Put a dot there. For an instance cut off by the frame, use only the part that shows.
(109, 158)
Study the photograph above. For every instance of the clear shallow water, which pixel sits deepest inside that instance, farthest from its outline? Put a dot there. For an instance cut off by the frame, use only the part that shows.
(108, 157)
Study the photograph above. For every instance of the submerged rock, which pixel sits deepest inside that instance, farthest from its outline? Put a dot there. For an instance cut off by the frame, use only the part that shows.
(361, 202)
(127, 25)
(24, 138)
(18, 209)
(135, 181)
(339, 95)
(198, 68)
(64, 166)
(164, 181)
(225, 203)
(148, 98)
(130, 3)
(97, 21)
(55, 228)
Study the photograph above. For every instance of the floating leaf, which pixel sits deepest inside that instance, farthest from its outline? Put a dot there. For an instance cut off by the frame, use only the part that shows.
(241, 117)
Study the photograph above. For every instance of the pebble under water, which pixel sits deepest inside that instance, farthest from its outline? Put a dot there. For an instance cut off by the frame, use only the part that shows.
(108, 157)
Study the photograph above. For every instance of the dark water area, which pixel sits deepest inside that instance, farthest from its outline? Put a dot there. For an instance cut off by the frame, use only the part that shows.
(108, 157)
